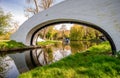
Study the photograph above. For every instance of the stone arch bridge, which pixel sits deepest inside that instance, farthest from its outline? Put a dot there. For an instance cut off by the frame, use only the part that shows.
(103, 15)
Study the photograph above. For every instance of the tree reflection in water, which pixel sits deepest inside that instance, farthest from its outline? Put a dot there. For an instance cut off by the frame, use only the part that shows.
(49, 54)
(4, 65)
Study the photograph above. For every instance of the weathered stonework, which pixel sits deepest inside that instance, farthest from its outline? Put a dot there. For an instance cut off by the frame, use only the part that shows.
(101, 14)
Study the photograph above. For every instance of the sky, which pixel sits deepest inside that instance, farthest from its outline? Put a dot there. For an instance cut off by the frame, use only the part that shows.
(67, 25)
(16, 8)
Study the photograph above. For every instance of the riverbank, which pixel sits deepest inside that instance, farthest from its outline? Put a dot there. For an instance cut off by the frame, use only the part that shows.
(10, 45)
(48, 42)
(96, 62)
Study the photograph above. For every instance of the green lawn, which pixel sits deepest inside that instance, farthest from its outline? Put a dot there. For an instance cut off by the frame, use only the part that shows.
(9, 44)
(96, 62)
(48, 42)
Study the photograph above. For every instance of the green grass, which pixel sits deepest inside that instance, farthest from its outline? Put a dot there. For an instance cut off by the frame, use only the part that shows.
(9, 44)
(103, 48)
(47, 42)
(92, 63)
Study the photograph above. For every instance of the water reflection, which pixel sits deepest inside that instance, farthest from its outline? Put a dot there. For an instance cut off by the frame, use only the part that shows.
(78, 46)
(21, 62)
(7, 68)
(49, 54)
(3, 66)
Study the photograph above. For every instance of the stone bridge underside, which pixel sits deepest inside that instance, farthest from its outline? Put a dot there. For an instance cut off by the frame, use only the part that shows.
(103, 15)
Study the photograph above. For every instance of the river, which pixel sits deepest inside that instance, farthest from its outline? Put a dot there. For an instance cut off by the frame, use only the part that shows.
(14, 63)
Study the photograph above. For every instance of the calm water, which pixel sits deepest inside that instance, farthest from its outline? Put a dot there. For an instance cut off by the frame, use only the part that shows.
(12, 64)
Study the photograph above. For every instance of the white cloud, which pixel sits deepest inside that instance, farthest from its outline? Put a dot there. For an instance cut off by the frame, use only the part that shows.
(19, 18)
(67, 25)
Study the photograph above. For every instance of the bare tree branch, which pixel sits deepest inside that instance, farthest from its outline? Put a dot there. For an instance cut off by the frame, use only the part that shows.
(36, 6)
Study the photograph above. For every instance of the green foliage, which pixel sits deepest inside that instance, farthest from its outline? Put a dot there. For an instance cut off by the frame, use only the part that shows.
(7, 44)
(48, 33)
(79, 32)
(4, 20)
(51, 33)
(89, 64)
(118, 54)
(103, 48)
(78, 46)
(76, 32)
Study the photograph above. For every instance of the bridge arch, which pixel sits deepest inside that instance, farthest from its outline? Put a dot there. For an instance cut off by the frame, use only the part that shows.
(102, 15)
(32, 35)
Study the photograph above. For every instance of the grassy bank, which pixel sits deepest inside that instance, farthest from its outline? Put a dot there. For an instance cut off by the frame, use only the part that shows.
(96, 62)
(48, 42)
(10, 44)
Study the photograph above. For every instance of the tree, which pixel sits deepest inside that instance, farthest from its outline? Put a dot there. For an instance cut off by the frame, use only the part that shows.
(31, 10)
(77, 32)
(39, 5)
(16, 26)
(7, 25)
(35, 6)
(4, 21)
(63, 28)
